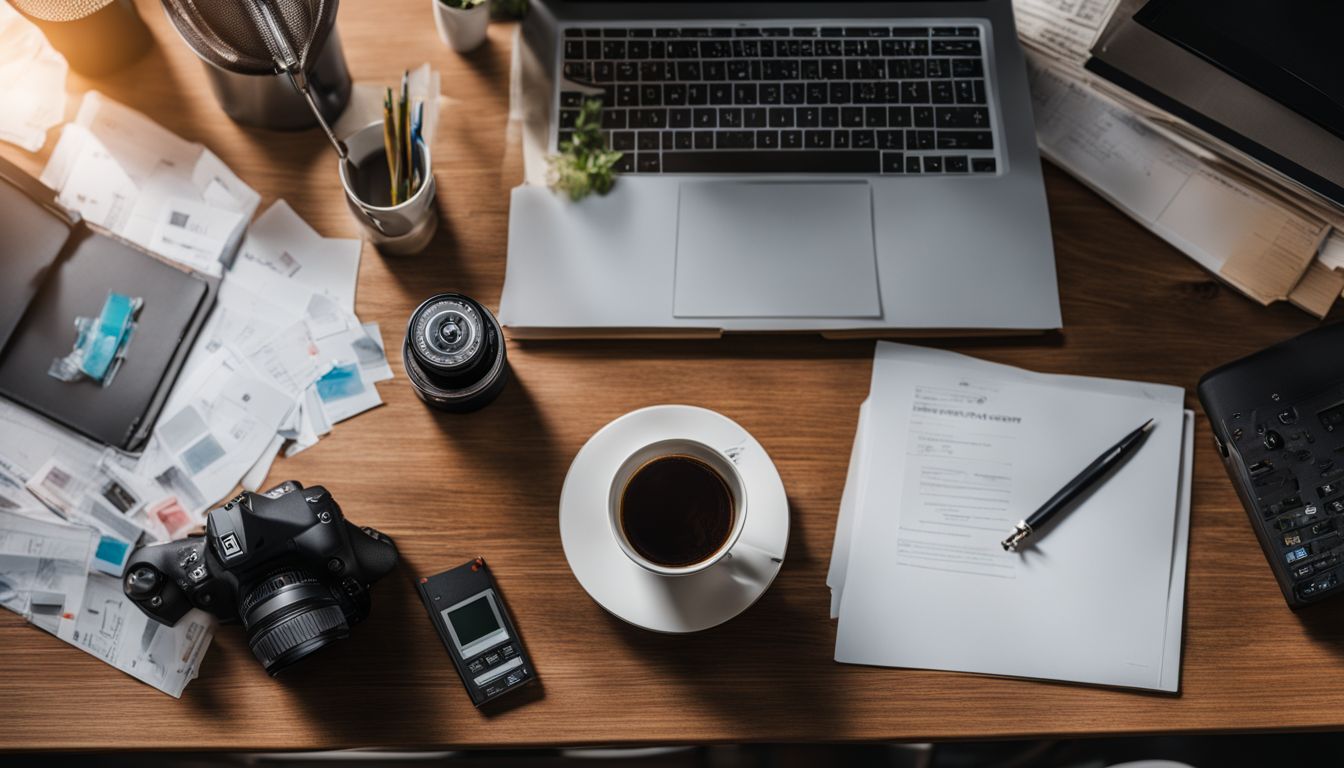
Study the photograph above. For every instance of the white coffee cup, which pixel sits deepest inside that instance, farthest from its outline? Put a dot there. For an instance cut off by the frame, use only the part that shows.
(717, 460)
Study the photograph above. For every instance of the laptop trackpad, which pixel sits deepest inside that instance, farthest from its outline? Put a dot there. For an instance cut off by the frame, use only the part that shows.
(776, 249)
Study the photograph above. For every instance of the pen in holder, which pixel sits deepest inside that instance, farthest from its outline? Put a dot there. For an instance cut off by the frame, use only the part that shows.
(402, 227)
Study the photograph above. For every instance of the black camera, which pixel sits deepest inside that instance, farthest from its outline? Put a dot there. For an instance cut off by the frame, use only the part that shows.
(286, 563)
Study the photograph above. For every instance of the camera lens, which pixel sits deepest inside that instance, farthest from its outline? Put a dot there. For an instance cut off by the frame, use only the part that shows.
(288, 615)
(454, 353)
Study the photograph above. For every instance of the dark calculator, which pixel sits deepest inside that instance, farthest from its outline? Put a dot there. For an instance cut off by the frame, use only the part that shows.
(469, 614)
(1278, 423)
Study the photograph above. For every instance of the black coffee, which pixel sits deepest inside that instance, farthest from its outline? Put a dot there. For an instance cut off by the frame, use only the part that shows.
(676, 511)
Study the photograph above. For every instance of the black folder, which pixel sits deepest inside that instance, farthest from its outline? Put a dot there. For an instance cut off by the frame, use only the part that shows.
(55, 267)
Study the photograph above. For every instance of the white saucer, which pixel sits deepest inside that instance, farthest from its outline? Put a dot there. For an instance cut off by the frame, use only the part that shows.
(672, 603)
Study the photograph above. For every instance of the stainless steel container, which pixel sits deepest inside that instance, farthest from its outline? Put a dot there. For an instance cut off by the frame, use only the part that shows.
(272, 101)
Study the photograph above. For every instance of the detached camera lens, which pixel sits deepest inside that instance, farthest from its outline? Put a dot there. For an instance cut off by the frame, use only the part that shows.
(289, 615)
(454, 353)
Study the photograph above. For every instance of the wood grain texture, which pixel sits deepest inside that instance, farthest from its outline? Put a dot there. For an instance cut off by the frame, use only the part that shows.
(451, 487)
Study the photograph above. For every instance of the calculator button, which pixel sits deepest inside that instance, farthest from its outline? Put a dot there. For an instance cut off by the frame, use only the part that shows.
(515, 678)
(1303, 571)
(508, 651)
(1329, 489)
(495, 688)
(492, 658)
(476, 666)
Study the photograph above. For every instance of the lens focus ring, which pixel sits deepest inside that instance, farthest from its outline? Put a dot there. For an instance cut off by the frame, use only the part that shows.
(288, 615)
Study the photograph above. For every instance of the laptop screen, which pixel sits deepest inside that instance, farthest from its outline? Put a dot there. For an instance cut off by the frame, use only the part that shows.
(1287, 50)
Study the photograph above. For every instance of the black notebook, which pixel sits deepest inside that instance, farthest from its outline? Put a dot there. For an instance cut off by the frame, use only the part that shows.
(55, 267)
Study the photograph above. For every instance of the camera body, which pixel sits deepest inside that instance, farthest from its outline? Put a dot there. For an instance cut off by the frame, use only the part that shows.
(286, 563)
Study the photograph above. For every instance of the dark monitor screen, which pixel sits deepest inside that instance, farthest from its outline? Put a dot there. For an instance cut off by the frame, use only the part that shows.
(473, 621)
(1288, 50)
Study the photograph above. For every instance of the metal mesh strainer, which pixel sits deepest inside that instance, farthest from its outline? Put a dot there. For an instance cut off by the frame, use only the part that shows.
(259, 37)
(59, 10)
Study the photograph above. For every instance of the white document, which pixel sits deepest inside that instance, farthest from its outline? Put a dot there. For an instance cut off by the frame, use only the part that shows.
(1252, 240)
(951, 429)
(32, 82)
(1067, 29)
(283, 260)
(222, 427)
(115, 630)
(43, 565)
(121, 170)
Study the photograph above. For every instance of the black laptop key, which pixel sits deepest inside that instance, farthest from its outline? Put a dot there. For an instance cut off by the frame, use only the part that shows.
(933, 165)
(603, 72)
(573, 32)
(794, 93)
(875, 117)
(627, 96)
(571, 99)
(840, 139)
(647, 140)
(961, 117)
(716, 49)
(768, 93)
(656, 71)
(578, 71)
(910, 32)
(625, 164)
(668, 140)
(674, 94)
(955, 164)
(781, 117)
(679, 118)
(830, 117)
(767, 139)
(841, 93)
(568, 117)
(704, 140)
(714, 70)
(817, 139)
(833, 69)
(623, 141)
(613, 119)
(697, 94)
(613, 49)
(967, 68)
(965, 140)
(808, 117)
(791, 139)
(863, 139)
(651, 95)
(817, 93)
(684, 140)
(940, 92)
(899, 117)
(732, 161)
(683, 49)
(811, 70)
(965, 90)
(912, 165)
(730, 117)
(613, 32)
(982, 164)
(914, 92)
(573, 49)
(754, 117)
(891, 140)
(805, 32)
(735, 140)
(720, 94)
(627, 72)
(739, 70)
(956, 48)
(706, 118)
(892, 162)
(744, 93)
(637, 49)
(648, 163)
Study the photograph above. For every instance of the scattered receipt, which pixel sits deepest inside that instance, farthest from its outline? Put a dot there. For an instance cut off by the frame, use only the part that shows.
(966, 449)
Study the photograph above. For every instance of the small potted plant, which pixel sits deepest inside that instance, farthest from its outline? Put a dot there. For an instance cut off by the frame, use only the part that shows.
(462, 23)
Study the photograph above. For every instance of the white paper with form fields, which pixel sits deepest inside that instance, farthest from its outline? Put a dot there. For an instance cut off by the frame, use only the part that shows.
(954, 451)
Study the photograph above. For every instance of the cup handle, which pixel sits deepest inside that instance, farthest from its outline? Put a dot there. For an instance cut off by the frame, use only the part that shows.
(751, 561)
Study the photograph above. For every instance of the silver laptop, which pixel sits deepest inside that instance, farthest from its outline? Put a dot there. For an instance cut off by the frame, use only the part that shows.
(796, 166)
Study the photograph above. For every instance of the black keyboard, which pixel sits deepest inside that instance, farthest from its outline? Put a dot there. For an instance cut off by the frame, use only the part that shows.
(783, 99)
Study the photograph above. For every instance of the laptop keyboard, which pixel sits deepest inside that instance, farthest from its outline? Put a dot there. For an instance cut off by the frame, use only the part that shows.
(891, 100)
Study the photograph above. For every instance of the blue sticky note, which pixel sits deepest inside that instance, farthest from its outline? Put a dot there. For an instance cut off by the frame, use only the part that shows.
(340, 382)
(111, 550)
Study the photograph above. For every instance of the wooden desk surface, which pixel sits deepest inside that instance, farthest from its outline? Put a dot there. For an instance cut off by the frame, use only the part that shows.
(450, 487)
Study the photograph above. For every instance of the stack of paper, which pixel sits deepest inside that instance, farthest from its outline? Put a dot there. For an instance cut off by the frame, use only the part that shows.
(128, 174)
(281, 359)
(66, 510)
(1261, 233)
(950, 453)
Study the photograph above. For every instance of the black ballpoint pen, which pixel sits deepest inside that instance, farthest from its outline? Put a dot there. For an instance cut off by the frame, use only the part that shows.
(1090, 475)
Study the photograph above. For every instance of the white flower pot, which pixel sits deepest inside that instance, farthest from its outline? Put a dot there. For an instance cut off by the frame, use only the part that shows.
(462, 30)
